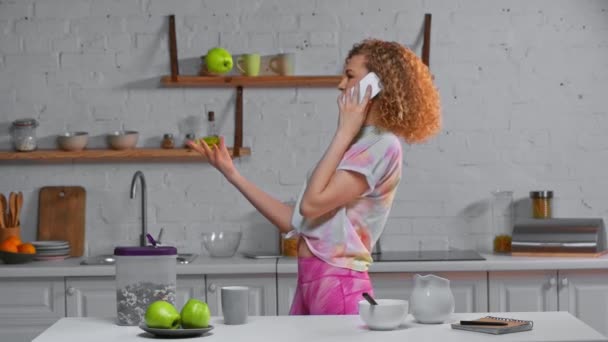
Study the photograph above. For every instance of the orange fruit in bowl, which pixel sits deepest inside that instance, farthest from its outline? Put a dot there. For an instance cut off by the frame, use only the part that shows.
(9, 246)
(13, 239)
(26, 248)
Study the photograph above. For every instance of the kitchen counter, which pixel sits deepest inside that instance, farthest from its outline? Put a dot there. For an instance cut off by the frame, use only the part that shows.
(241, 265)
(493, 262)
(548, 326)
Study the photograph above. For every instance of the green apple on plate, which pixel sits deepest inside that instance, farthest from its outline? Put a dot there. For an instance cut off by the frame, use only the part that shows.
(163, 315)
(195, 314)
(219, 61)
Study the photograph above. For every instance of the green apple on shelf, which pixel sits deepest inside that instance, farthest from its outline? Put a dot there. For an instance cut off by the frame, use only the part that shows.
(219, 61)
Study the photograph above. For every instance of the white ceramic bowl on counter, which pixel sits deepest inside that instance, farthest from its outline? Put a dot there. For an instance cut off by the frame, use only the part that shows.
(389, 314)
(73, 141)
(123, 140)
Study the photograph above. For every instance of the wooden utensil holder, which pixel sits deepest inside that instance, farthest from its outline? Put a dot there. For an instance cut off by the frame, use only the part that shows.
(5, 233)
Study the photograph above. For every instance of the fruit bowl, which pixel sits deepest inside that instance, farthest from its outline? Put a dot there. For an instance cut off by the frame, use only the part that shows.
(16, 258)
(222, 244)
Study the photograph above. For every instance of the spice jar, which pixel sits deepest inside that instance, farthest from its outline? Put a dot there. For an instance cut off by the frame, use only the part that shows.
(168, 141)
(189, 136)
(289, 245)
(23, 133)
(541, 204)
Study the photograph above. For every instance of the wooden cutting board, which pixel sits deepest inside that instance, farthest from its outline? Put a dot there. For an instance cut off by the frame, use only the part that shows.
(61, 216)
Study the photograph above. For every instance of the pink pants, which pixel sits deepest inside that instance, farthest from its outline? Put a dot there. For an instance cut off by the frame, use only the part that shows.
(324, 289)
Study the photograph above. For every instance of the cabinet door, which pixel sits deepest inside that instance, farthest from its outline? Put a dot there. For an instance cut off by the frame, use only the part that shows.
(470, 289)
(28, 306)
(287, 289)
(584, 293)
(262, 292)
(91, 296)
(189, 286)
(523, 291)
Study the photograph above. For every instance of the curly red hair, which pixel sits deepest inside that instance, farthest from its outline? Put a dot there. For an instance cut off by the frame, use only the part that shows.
(408, 104)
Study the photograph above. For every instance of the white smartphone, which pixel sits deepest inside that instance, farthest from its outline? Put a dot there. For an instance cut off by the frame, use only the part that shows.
(370, 79)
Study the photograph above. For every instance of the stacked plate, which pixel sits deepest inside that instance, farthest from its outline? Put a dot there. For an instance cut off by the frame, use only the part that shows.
(52, 250)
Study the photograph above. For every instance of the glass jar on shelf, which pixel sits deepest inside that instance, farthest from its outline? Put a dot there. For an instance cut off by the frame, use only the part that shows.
(23, 134)
(502, 220)
(541, 204)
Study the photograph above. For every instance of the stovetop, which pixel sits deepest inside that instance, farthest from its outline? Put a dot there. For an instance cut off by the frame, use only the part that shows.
(430, 255)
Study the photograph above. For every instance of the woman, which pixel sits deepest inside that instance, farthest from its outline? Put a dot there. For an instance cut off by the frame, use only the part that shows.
(345, 202)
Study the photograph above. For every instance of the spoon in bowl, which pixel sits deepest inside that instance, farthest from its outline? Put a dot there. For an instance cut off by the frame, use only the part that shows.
(369, 298)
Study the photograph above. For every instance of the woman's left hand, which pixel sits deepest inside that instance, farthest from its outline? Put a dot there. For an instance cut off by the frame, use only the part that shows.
(353, 111)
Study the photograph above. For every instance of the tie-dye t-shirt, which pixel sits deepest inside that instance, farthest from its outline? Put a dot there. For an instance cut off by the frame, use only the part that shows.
(345, 236)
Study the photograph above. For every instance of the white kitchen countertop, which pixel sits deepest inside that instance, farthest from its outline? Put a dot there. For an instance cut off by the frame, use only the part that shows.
(241, 265)
(493, 262)
(548, 326)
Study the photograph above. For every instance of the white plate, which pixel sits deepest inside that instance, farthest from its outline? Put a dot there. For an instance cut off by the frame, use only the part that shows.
(176, 332)
(50, 244)
(54, 252)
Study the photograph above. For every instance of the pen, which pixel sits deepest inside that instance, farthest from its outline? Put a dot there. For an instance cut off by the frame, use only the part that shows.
(483, 323)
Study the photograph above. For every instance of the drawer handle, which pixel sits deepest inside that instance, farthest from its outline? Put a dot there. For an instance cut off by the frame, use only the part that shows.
(212, 287)
(552, 281)
(70, 291)
(564, 281)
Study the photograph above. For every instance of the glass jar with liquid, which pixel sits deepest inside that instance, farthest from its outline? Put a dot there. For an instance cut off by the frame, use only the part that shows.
(541, 204)
(502, 220)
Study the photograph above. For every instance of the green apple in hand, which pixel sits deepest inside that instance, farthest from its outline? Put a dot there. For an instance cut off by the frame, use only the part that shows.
(162, 315)
(195, 314)
(218, 60)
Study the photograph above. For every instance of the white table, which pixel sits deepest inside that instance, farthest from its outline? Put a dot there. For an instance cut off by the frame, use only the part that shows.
(548, 326)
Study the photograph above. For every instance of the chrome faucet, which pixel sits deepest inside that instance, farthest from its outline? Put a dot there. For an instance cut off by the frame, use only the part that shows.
(144, 212)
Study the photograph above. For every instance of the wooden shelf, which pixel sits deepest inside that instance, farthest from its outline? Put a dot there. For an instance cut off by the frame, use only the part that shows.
(250, 81)
(99, 155)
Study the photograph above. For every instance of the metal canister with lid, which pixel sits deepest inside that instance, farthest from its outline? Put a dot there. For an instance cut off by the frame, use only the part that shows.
(23, 133)
(541, 204)
(143, 276)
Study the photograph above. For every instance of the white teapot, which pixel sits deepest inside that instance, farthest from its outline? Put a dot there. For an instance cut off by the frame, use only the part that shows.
(432, 300)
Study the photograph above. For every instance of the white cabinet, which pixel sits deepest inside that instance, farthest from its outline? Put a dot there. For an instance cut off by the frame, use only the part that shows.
(90, 296)
(523, 291)
(29, 305)
(470, 289)
(262, 292)
(584, 293)
(287, 283)
(189, 286)
(96, 296)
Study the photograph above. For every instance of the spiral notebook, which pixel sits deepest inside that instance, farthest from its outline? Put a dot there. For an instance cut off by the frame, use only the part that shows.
(513, 325)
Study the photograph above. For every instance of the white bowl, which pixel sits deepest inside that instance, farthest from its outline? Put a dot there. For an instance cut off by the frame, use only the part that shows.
(73, 141)
(222, 244)
(123, 140)
(387, 315)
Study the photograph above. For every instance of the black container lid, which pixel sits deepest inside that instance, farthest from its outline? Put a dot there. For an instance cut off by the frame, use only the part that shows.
(145, 251)
(541, 194)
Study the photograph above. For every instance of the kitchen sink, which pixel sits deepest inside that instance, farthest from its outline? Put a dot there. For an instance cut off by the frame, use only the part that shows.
(109, 259)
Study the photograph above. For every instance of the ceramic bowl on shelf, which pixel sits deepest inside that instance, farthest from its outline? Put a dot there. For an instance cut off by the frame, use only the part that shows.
(222, 244)
(73, 141)
(389, 314)
(16, 258)
(123, 140)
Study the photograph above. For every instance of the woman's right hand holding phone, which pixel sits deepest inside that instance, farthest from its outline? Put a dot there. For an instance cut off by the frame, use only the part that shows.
(353, 110)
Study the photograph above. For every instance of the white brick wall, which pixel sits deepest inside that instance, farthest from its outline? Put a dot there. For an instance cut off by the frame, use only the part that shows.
(523, 87)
